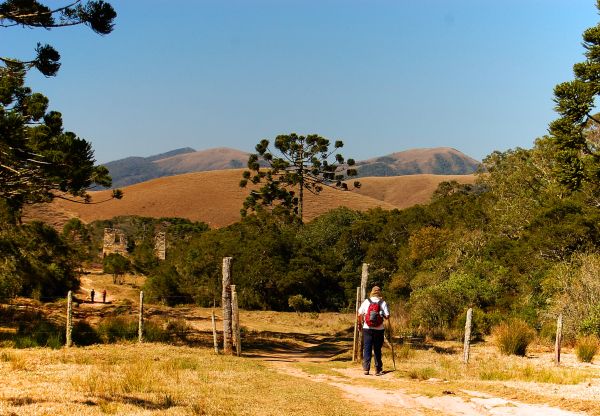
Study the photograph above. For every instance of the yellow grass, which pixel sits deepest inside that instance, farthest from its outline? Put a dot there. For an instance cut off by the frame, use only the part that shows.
(216, 198)
(157, 379)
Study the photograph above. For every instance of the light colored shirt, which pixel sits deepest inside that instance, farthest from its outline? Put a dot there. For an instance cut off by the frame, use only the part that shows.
(364, 307)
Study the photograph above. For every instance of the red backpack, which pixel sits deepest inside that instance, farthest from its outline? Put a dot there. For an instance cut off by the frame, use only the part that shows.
(374, 315)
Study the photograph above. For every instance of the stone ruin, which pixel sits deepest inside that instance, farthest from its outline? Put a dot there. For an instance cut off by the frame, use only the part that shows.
(115, 241)
(160, 247)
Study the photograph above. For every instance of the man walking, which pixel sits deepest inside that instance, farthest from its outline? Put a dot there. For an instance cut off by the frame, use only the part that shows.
(372, 312)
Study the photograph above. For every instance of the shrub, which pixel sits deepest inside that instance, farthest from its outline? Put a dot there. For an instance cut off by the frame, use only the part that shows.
(84, 334)
(39, 333)
(586, 348)
(513, 337)
(299, 303)
(154, 331)
(113, 329)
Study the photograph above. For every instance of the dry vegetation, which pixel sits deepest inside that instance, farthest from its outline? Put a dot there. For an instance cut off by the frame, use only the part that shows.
(292, 364)
(216, 198)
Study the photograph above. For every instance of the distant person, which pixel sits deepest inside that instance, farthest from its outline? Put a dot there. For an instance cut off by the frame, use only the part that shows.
(92, 294)
(104, 296)
(372, 313)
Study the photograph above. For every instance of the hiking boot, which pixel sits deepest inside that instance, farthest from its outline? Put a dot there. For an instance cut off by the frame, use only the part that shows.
(379, 373)
(366, 372)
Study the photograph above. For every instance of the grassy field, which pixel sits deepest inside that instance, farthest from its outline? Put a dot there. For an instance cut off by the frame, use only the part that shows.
(155, 379)
(292, 364)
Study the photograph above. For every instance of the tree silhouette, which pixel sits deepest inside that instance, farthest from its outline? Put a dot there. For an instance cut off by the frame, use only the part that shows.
(302, 163)
(38, 159)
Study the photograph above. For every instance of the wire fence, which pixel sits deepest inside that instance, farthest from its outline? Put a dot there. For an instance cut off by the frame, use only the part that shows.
(28, 322)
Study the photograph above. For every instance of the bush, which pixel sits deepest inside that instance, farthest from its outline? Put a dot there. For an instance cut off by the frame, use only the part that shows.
(586, 348)
(513, 337)
(84, 334)
(115, 329)
(299, 303)
(39, 333)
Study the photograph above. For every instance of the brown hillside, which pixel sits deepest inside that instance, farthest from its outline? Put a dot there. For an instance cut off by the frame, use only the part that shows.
(406, 191)
(203, 160)
(213, 197)
(437, 161)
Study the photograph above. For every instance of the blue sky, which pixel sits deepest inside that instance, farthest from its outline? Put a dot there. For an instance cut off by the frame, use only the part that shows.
(382, 76)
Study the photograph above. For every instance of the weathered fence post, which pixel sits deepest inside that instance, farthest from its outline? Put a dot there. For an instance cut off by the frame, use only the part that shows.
(236, 321)
(558, 340)
(214, 328)
(226, 302)
(363, 295)
(69, 319)
(467, 345)
(356, 326)
(141, 318)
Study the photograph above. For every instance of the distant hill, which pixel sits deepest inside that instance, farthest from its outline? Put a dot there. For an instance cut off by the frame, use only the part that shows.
(437, 161)
(132, 170)
(216, 198)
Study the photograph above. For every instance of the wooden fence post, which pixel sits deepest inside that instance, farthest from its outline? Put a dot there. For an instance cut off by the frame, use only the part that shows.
(467, 344)
(69, 319)
(558, 341)
(357, 328)
(363, 295)
(214, 328)
(141, 318)
(236, 321)
(226, 303)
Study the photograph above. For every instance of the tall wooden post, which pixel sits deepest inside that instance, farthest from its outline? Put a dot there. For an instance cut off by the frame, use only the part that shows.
(357, 327)
(558, 341)
(226, 302)
(214, 328)
(69, 319)
(364, 277)
(141, 318)
(467, 344)
(236, 321)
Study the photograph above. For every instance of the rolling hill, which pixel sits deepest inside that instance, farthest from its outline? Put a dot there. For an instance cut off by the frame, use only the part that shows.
(215, 198)
(132, 170)
(437, 161)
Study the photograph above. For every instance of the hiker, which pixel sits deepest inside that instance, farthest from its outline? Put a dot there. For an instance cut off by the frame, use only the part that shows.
(372, 313)
(92, 294)
(104, 296)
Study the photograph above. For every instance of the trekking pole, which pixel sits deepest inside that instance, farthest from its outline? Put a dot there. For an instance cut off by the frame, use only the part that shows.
(390, 344)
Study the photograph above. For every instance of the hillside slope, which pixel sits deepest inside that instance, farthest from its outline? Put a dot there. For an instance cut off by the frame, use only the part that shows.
(215, 198)
(406, 191)
(438, 161)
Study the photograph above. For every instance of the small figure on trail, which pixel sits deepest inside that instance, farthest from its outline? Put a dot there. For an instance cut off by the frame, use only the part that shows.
(104, 296)
(372, 313)
(92, 294)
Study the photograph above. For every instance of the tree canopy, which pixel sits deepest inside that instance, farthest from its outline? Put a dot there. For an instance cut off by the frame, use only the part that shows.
(301, 163)
(576, 130)
(39, 160)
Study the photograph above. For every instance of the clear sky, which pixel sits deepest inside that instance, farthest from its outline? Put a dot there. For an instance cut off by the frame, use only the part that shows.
(382, 76)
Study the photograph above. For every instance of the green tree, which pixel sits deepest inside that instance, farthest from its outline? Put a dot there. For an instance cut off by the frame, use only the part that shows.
(117, 265)
(39, 159)
(301, 163)
(578, 151)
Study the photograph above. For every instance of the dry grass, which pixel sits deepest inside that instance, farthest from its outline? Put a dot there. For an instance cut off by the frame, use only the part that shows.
(409, 190)
(216, 198)
(156, 379)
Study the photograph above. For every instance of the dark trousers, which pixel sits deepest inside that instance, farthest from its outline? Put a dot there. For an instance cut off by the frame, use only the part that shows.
(373, 342)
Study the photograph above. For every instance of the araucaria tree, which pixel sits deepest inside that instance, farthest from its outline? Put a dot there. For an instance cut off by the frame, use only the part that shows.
(301, 163)
(576, 131)
(38, 159)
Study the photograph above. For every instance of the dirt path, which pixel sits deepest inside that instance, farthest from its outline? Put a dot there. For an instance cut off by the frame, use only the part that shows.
(395, 399)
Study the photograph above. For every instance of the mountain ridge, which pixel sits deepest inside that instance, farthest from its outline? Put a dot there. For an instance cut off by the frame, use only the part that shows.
(135, 169)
